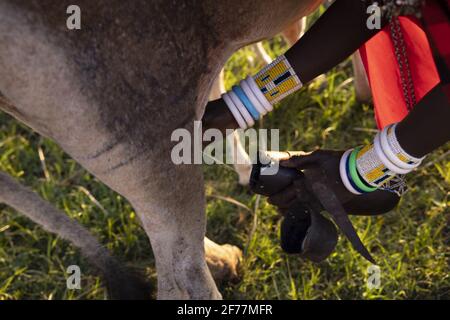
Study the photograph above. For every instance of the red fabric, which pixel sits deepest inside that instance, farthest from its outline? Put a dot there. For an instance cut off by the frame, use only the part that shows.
(378, 56)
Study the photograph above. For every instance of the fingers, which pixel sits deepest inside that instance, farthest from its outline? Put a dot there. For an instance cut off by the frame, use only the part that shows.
(276, 155)
(282, 155)
(302, 161)
(327, 161)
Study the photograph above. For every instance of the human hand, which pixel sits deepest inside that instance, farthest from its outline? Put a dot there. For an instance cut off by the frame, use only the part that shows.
(327, 161)
(321, 188)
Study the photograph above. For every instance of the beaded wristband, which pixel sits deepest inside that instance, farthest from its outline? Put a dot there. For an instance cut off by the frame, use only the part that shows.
(277, 80)
(350, 176)
(383, 163)
(401, 162)
(380, 165)
(396, 185)
(370, 166)
(343, 165)
(258, 94)
(355, 175)
(384, 160)
(243, 111)
(251, 96)
(405, 160)
(239, 119)
(248, 105)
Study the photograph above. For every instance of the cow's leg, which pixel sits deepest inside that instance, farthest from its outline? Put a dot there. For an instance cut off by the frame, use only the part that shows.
(294, 32)
(172, 212)
(223, 261)
(121, 282)
(262, 53)
(218, 87)
(112, 100)
(244, 168)
(241, 160)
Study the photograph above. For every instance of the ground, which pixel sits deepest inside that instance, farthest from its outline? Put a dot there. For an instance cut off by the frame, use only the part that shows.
(410, 244)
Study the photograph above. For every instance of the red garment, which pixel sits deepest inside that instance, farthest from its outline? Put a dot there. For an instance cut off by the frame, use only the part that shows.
(383, 73)
(383, 69)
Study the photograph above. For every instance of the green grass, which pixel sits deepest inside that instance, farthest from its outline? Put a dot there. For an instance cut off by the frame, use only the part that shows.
(411, 243)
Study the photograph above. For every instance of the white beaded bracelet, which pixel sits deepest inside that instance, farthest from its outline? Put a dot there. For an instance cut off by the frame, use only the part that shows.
(242, 109)
(239, 119)
(251, 96)
(387, 148)
(343, 172)
(259, 95)
(387, 163)
(396, 148)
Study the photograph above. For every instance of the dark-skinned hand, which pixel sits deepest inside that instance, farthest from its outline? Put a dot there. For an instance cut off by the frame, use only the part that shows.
(373, 203)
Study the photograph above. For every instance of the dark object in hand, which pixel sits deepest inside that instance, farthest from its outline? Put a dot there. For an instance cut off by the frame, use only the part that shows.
(303, 229)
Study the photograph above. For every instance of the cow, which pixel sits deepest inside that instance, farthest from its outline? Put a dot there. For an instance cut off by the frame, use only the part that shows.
(110, 94)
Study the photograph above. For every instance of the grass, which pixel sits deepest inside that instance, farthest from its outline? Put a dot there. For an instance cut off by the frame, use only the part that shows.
(411, 243)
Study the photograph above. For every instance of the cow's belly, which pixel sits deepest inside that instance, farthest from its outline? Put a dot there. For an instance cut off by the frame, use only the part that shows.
(114, 91)
(249, 21)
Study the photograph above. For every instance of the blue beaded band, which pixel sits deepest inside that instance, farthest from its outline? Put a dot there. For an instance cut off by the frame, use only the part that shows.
(248, 105)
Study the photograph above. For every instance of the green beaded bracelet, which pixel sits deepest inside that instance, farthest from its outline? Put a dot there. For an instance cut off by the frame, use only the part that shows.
(354, 174)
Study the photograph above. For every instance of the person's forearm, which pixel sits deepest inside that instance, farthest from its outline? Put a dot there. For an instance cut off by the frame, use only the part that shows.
(398, 148)
(218, 116)
(339, 32)
(426, 127)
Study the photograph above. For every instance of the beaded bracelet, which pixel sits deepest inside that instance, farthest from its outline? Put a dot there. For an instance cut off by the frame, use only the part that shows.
(236, 114)
(380, 165)
(243, 111)
(359, 182)
(254, 97)
(395, 152)
(395, 185)
(343, 170)
(258, 94)
(247, 103)
(278, 80)
(384, 159)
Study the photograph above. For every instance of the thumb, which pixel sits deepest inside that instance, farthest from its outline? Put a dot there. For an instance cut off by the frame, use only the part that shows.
(303, 161)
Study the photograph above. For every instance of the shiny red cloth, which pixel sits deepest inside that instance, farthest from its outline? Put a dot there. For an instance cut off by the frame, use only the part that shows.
(382, 68)
(383, 72)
